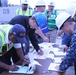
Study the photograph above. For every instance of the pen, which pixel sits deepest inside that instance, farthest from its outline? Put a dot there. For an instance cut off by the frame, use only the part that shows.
(29, 69)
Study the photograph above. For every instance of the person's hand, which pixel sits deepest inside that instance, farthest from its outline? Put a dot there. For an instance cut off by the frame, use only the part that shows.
(59, 32)
(48, 15)
(13, 67)
(65, 48)
(46, 39)
(59, 71)
(26, 57)
(26, 60)
(40, 52)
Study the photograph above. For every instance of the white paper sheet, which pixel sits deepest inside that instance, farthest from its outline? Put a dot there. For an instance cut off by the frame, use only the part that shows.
(46, 47)
(36, 63)
(54, 67)
(45, 44)
(37, 56)
(57, 60)
(25, 69)
(58, 52)
(50, 56)
(55, 49)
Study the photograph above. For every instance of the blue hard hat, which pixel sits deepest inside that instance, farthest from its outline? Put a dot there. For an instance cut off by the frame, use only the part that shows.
(41, 21)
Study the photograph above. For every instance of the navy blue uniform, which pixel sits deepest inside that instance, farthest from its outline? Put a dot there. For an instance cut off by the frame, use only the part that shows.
(70, 57)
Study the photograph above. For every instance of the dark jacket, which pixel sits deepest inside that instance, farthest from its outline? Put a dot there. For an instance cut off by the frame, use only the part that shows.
(24, 20)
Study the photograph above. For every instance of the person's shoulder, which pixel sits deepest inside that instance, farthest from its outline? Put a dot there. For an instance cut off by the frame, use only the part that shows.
(21, 17)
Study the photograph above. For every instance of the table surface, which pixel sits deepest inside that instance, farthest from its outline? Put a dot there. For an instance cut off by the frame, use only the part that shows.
(43, 70)
(40, 70)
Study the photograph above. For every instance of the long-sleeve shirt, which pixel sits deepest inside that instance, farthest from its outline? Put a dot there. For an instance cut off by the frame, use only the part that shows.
(24, 20)
(70, 57)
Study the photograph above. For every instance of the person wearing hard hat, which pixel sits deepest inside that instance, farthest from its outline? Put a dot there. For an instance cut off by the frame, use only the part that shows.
(74, 18)
(24, 10)
(11, 38)
(65, 23)
(32, 26)
(51, 15)
(71, 9)
(40, 6)
(66, 38)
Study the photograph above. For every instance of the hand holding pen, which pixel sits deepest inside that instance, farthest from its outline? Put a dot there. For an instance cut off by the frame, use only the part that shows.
(25, 61)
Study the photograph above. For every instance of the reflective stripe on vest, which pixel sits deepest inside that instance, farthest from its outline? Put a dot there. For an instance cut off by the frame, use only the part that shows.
(28, 12)
(2, 34)
(51, 19)
(45, 29)
(3, 31)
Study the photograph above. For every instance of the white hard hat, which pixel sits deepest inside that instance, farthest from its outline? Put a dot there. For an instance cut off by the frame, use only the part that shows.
(24, 2)
(51, 3)
(40, 3)
(71, 8)
(61, 18)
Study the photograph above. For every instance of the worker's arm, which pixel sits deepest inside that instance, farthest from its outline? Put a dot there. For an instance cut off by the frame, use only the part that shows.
(40, 33)
(8, 67)
(34, 41)
(14, 67)
(20, 54)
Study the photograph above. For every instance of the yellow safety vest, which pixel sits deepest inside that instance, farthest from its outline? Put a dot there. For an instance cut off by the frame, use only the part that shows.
(28, 12)
(3, 31)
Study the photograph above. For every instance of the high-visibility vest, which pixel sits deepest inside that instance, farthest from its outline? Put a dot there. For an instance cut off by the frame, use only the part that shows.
(3, 31)
(28, 12)
(51, 20)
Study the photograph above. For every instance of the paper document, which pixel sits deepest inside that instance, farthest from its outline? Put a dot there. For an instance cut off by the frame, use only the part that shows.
(26, 69)
(23, 69)
(37, 56)
(44, 44)
(34, 63)
(59, 52)
(57, 60)
(55, 49)
(54, 67)
(50, 56)
(47, 48)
